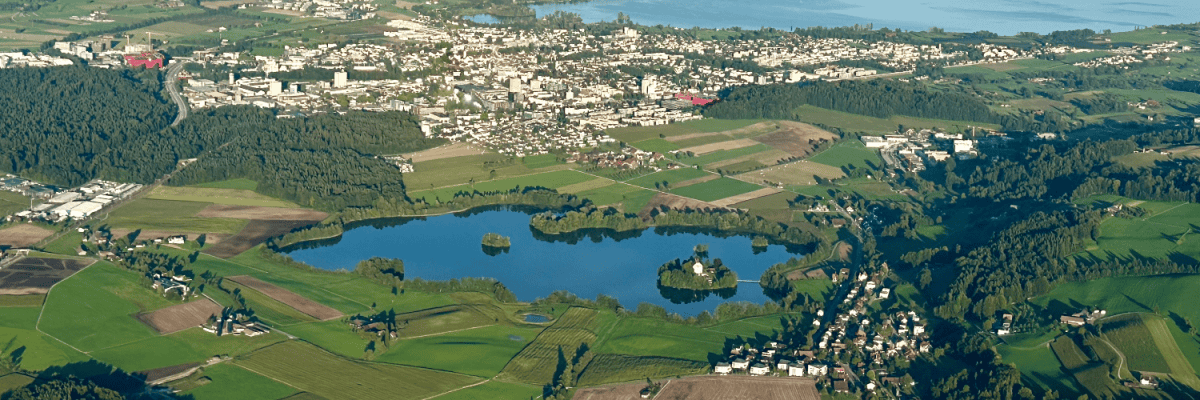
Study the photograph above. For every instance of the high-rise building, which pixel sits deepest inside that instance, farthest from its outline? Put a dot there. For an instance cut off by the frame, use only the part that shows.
(514, 85)
(648, 86)
(275, 88)
(231, 81)
(339, 79)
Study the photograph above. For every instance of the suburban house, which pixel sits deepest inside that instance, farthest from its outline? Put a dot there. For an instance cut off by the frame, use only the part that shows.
(740, 363)
(841, 386)
(884, 293)
(759, 369)
(723, 368)
(795, 370)
(818, 369)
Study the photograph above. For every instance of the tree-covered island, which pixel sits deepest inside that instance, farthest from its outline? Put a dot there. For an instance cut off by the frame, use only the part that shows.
(696, 273)
(495, 240)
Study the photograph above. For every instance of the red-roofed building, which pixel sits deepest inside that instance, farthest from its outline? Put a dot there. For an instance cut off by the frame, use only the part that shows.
(696, 101)
(150, 59)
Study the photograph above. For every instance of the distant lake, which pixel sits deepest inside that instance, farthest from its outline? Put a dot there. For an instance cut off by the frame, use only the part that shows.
(1005, 17)
(624, 266)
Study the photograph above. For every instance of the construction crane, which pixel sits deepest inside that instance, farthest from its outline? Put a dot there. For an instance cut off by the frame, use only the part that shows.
(149, 41)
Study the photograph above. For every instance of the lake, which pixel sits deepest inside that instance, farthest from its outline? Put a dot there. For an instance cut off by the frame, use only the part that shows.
(624, 266)
(1005, 17)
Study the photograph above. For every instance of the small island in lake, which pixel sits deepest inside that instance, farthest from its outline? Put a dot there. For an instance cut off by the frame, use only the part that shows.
(494, 240)
(696, 273)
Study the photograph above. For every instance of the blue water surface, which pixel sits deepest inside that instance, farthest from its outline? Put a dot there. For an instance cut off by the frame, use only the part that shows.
(448, 246)
(1005, 17)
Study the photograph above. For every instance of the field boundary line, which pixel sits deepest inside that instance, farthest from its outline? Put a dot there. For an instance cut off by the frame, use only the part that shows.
(447, 332)
(266, 376)
(461, 388)
(38, 325)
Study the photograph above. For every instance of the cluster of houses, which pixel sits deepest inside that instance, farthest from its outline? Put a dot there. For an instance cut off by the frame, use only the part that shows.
(74, 204)
(625, 158)
(771, 360)
(345, 10)
(177, 283)
(234, 324)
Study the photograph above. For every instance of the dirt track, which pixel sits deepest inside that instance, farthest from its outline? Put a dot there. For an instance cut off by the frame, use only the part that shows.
(300, 303)
(728, 201)
(179, 317)
(36, 275)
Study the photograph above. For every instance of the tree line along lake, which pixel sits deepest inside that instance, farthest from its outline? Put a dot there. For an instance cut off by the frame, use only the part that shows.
(1005, 17)
(587, 263)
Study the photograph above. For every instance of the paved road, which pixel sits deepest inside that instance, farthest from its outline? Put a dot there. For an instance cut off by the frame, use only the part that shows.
(173, 89)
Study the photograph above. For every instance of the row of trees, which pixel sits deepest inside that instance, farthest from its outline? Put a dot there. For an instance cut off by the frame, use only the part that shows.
(724, 221)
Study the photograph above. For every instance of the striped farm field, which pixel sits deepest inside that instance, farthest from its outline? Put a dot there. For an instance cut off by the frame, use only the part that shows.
(537, 362)
(313, 370)
(716, 189)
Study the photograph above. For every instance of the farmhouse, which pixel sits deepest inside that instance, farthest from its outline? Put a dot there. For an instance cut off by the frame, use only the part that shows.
(166, 284)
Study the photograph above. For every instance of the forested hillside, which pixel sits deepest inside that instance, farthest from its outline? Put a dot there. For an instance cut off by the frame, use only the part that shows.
(325, 161)
(64, 125)
(877, 98)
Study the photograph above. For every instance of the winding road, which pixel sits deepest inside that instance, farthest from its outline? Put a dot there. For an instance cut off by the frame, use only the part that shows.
(170, 83)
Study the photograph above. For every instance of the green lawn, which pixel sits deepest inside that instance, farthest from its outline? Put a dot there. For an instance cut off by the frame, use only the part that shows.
(671, 176)
(636, 201)
(480, 352)
(1127, 294)
(495, 390)
(652, 337)
(316, 371)
(231, 382)
(230, 196)
(637, 134)
(716, 189)
(66, 244)
(170, 215)
(613, 194)
(862, 123)
(93, 309)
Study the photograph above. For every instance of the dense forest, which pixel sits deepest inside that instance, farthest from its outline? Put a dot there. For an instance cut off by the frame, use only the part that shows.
(678, 274)
(325, 161)
(879, 98)
(67, 125)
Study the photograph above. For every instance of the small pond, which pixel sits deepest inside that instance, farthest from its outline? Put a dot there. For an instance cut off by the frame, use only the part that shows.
(624, 266)
(536, 318)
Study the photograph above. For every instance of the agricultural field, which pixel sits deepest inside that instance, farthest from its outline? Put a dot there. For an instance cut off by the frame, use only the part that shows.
(713, 388)
(799, 173)
(850, 154)
(716, 189)
(536, 363)
(17, 329)
(189, 346)
(265, 308)
(311, 308)
(181, 316)
(236, 184)
(656, 338)
(615, 368)
(671, 177)
(861, 123)
(450, 171)
(494, 390)
(169, 216)
(453, 318)
(22, 235)
(1161, 235)
(102, 295)
(236, 197)
(12, 202)
(33, 275)
(552, 180)
(316, 371)
(1039, 365)
(479, 352)
(1132, 337)
(637, 134)
(225, 381)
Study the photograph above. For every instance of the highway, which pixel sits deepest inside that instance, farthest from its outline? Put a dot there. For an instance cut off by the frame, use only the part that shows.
(172, 79)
